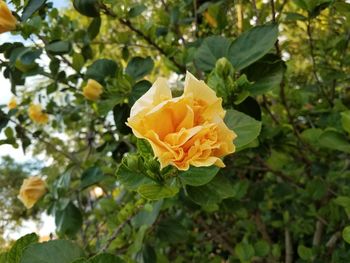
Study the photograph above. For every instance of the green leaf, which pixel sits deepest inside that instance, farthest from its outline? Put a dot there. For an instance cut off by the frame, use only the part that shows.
(246, 128)
(121, 113)
(89, 8)
(211, 49)
(69, 220)
(139, 67)
(144, 148)
(312, 135)
(101, 69)
(262, 248)
(130, 174)
(147, 217)
(213, 192)
(3, 257)
(94, 28)
(305, 252)
(245, 252)
(345, 120)
(58, 47)
(78, 61)
(294, 17)
(15, 254)
(138, 240)
(55, 251)
(91, 176)
(252, 45)
(25, 60)
(346, 234)
(3, 120)
(136, 10)
(31, 7)
(138, 90)
(171, 231)
(197, 176)
(335, 141)
(105, 258)
(343, 201)
(106, 105)
(266, 74)
(157, 191)
(317, 189)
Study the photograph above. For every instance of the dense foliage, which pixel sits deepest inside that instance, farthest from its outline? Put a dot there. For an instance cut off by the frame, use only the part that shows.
(282, 70)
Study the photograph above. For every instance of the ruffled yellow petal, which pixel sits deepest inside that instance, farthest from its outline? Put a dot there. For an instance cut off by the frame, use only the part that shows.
(184, 131)
(203, 93)
(158, 93)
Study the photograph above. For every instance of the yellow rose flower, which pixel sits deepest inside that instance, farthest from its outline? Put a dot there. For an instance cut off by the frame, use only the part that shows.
(183, 131)
(12, 104)
(31, 191)
(92, 90)
(37, 115)
(7, 20)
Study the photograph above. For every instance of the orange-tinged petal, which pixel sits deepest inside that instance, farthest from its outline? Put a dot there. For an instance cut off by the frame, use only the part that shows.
(183, 131)
(7, 20)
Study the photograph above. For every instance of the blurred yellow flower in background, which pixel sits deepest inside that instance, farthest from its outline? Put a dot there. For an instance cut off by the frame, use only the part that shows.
(31, 191)
(37, 115)
(92, 90)
(183, 131)
(210, 19)
(12, 104)
(7, 20)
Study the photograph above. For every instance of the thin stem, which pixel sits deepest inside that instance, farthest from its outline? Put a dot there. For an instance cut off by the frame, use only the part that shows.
(314, 65)
(149, 40)
(288, 246)
(119, 229)
(316, 241)
(63, 153)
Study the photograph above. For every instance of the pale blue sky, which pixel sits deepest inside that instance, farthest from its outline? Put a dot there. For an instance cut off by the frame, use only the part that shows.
(60, 3)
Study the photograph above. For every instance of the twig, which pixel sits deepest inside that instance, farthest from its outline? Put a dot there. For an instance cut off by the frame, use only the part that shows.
(316, 241)
(67, 155)
(279, 174)
(217, 237)
(288, 246)
(314, 65)
(262, 228)
(256, 12)
(239, 14)
(332, 242)
(128, 24)
(266, 106)
(119, 229)
(272, 4)
(195, 18)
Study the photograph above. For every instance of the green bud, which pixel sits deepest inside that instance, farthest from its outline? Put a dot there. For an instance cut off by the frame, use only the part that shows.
(132, 161)
(224, 68)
